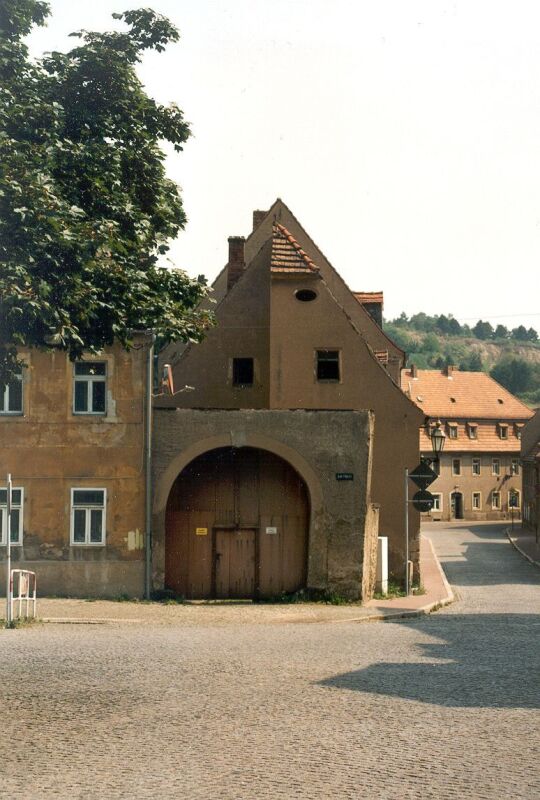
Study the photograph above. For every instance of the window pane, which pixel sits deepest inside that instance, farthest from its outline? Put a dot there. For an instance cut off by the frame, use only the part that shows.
(81, 396)
(90, 368)
(15, 497)
(243, 371)
(15, 395)
(96, 525)
(15, 525)
(79, 525)
(327, 365)
(88, 497)
(98, 396)
(1, 524)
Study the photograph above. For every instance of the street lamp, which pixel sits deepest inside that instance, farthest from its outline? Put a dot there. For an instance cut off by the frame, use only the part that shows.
(438, 438)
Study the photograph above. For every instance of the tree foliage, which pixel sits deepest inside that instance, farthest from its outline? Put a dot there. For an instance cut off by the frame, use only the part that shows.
(514, 374)
(86, 210)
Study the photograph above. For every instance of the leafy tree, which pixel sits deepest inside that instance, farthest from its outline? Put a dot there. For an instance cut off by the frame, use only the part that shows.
(422, 322)
(532, 335)
(86, 210)
(454, 327)
(520, 334)
(483, 330)
(501, 332)
(472, 362)
(430, 343)
(514, 374)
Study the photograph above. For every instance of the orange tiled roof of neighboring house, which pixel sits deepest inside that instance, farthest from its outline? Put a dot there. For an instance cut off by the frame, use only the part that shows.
(461, 395)
(287, 254)
(369, 297)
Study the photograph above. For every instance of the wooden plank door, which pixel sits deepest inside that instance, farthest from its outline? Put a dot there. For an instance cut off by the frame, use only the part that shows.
(235, 563)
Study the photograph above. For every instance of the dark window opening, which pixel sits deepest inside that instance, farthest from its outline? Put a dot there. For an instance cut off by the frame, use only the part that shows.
(242, 372)
(328, 365)
(305, 295)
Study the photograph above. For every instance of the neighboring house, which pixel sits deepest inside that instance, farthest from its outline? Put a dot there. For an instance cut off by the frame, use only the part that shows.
(530, 460)
(479, 469)
(268, 473)
(72, 437)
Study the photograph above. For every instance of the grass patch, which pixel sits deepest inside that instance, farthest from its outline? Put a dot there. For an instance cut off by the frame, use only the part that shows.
(308, 596)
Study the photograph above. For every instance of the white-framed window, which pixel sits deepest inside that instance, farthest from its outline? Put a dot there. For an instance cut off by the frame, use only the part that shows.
(88, 516)
(452, 430)
(503, 430)
(11, 398)
(472, 429)
(17, 505)
(495, 466)
(476, 501)
(496, 501)
(456, 466)
(90, 387)
(514, 467)
(514, 498)
(437, 501)
(476, 466)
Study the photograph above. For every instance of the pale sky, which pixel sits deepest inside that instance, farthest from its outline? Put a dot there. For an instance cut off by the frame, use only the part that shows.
(403, 134)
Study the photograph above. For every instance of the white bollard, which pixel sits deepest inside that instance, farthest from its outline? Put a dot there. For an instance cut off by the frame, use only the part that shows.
(381, 584)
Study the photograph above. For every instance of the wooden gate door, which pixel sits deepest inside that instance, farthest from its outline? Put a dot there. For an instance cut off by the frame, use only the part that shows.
(235, 563)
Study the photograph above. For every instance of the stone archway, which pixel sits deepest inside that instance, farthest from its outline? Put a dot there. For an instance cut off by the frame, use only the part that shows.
(237, 525)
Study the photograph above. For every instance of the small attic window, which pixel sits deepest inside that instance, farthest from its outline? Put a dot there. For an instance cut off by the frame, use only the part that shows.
(420, 398)
(305, 295)
(452, 399)
(500, 400)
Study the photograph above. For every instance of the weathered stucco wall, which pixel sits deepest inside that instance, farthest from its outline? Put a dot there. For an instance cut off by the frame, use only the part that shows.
(49, 451)
(318, 444)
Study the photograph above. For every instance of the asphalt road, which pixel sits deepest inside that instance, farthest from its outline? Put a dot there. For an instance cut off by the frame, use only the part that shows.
(440, 707)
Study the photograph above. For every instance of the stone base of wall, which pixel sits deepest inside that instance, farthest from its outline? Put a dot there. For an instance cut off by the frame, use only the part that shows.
(105, 579)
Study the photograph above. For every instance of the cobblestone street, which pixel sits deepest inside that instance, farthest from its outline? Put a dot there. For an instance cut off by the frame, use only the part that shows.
(444, 706)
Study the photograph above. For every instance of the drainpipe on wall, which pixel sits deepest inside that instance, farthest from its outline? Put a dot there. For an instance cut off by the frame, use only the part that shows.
(148, 466)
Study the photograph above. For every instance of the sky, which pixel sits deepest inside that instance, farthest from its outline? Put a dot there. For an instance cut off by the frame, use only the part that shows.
(403, 134)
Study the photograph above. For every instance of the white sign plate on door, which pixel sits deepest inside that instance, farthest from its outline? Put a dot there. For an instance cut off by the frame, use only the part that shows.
(271, 530)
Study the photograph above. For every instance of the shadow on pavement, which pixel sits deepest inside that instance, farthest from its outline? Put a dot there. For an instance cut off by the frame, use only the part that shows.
(480, 661)
(489, 564)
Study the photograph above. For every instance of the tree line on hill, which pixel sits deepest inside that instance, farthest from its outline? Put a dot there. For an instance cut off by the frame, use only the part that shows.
(449, 326)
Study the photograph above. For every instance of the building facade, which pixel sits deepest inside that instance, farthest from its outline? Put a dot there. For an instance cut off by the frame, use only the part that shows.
(291, 336)
(530, 460)
(480, 468)
(72, 437)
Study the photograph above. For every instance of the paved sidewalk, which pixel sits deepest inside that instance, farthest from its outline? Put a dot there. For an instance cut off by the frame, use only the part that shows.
(526, 543)
(436, 594)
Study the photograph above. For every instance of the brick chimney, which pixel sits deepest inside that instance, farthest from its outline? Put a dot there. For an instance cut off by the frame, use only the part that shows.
(414, 371)
(236, 264)
(448, 370)
(258, 217)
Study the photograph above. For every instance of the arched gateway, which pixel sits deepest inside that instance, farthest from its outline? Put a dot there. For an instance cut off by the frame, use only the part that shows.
(237, 526)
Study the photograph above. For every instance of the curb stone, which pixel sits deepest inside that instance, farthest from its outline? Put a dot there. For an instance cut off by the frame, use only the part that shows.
(513, 542)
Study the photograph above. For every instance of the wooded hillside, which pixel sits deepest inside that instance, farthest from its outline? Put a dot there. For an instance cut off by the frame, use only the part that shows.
(512, 357)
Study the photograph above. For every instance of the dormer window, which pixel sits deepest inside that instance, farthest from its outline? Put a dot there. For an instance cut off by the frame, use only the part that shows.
(452, 430)
(503, 430)
(472, 430)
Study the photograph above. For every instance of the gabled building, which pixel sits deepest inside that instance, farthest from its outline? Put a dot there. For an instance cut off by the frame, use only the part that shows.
(479, 469)
(270, 473)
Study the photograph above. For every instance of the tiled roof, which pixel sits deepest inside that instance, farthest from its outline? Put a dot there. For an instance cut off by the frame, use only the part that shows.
(369, 297)
(487, 439)
(287, 255)
(463, 395)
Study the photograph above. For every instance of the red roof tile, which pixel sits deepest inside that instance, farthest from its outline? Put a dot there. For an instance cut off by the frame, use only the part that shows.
(287, 255)
(463, 395)
(369, 297)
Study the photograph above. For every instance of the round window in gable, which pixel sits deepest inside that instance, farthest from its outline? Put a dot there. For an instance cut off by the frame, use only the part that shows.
(305, 295)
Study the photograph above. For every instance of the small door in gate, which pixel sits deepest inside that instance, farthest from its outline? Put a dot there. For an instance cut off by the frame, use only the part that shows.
(235, 562)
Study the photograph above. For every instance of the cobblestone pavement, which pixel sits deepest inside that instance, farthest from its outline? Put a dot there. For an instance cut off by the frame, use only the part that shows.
(438, 707)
